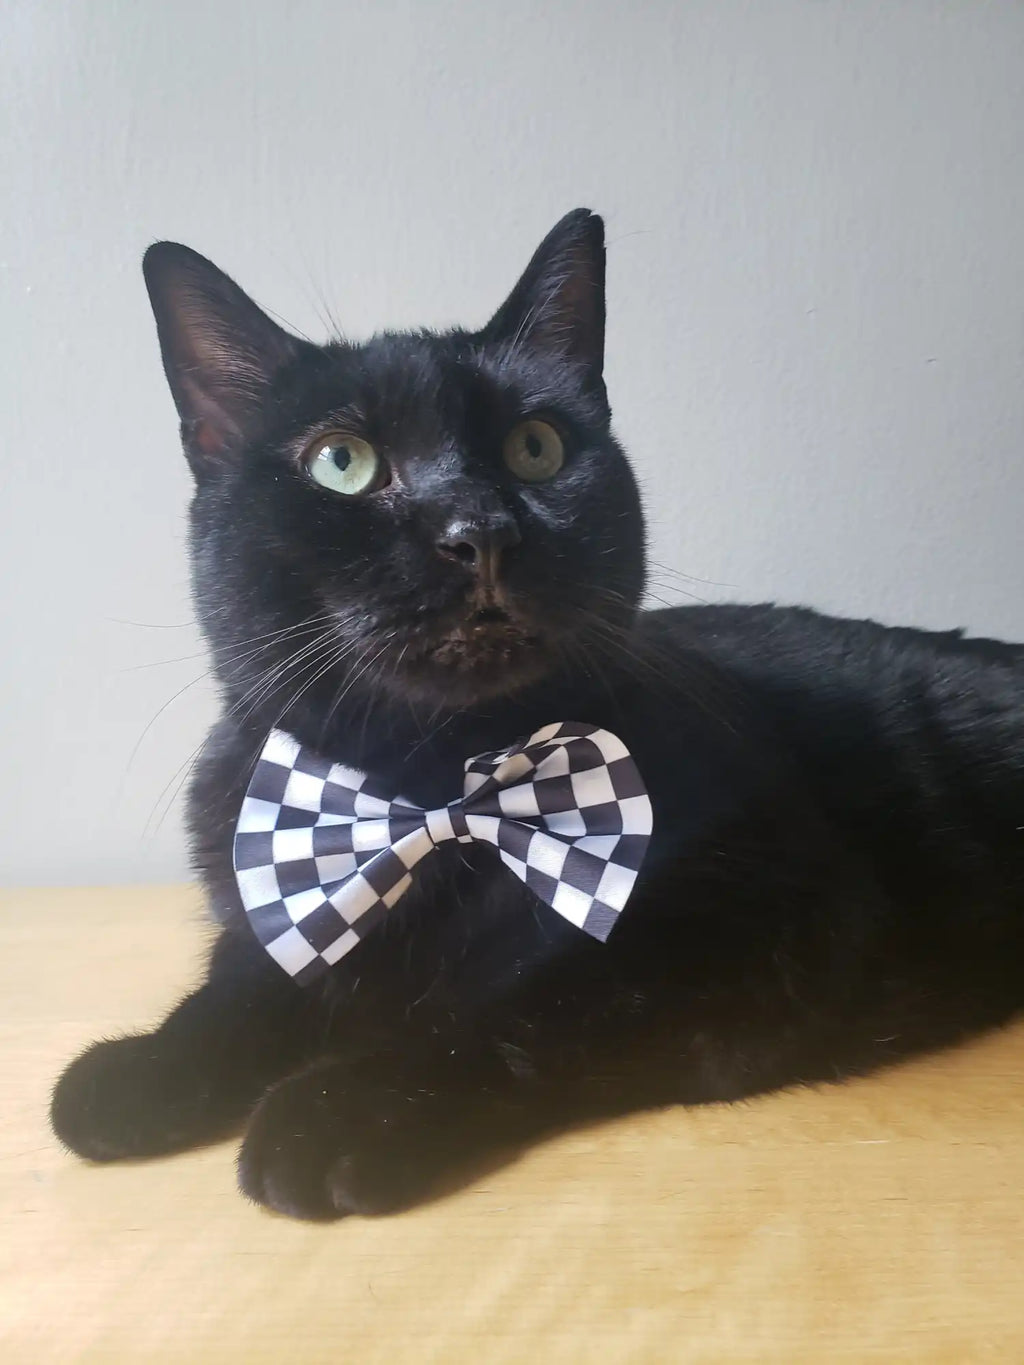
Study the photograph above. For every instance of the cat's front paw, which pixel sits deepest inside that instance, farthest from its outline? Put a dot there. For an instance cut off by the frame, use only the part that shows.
(319, 1147)
(124, 1098)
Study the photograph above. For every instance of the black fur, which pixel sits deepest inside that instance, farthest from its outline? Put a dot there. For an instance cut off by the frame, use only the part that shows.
(837, 874)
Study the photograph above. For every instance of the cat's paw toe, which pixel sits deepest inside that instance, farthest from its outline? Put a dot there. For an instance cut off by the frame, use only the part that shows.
(121, 1099)
(93, 1109)
(313, 1152)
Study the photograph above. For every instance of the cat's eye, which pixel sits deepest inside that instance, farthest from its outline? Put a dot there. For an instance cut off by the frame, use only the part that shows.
(534, 451)
(345, 464)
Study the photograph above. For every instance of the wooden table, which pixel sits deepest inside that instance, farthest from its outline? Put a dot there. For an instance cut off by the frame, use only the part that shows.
(881, 1220)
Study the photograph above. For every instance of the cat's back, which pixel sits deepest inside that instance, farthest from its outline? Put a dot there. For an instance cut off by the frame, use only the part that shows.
(777, 637)
(830, 661)
(911, 736)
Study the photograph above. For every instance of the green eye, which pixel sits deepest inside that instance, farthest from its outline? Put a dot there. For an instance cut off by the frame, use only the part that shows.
(345, 464)
(534, 451)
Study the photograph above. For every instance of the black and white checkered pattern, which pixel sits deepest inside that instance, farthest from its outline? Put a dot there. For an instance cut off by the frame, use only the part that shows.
(322, 853)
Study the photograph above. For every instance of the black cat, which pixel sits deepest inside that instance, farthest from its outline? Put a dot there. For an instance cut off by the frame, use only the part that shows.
(419, 549)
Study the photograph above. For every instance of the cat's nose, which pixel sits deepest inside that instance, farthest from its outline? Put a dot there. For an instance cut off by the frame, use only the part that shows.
(480, 546)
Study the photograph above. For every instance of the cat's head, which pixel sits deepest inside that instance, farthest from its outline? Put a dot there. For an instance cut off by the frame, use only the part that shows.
(445, 516)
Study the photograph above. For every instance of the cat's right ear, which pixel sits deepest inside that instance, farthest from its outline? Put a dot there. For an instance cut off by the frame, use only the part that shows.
(220, 351)
(558, 305)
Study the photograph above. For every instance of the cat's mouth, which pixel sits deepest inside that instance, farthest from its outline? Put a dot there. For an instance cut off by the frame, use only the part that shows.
(486, 634)
(486, 652)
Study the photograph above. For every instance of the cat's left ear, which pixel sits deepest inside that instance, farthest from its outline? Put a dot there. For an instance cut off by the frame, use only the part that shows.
(220, 352)
(558, 305)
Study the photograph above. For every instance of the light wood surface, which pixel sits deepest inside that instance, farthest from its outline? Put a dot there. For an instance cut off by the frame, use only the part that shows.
(881, 1220)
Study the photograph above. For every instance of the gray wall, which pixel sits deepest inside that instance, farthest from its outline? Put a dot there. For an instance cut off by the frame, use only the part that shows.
(816, 218)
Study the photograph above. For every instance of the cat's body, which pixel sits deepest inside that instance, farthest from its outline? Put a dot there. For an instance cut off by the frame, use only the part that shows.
(836, 875)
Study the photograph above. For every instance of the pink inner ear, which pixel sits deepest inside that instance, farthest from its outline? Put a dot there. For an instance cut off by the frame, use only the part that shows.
(210, 432)
(207, 438)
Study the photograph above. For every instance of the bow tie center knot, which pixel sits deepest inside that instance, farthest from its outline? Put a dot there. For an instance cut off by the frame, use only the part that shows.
(449, 822)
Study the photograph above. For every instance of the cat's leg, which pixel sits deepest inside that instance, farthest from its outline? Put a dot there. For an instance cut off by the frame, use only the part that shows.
(197, 1075)
(389, 1129)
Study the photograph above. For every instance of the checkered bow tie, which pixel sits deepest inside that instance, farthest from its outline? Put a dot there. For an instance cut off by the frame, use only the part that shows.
(322, 852)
